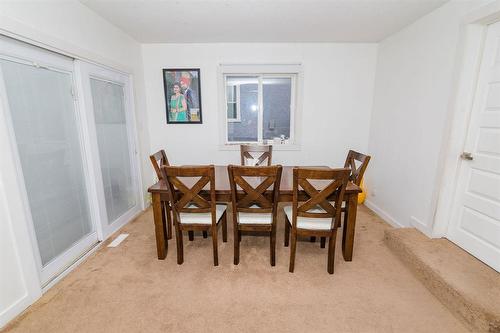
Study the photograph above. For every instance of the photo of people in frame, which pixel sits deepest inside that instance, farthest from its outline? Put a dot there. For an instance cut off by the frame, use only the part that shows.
(182, 96)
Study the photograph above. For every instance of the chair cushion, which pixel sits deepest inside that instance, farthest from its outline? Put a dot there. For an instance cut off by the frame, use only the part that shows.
(310, 223)
(255, 218)
(202, 218)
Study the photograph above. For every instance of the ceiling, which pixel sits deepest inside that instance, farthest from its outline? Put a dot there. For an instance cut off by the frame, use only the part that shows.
(190, 21)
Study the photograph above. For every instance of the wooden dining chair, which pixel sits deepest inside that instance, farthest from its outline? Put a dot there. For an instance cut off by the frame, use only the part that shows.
(254, 207)
(357, 170)
(357, 163)
(248, 159)
(317, 216)
(191, 210)
(158, 160)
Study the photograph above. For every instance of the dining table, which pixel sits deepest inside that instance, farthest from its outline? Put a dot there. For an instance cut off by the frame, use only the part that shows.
(160, 193)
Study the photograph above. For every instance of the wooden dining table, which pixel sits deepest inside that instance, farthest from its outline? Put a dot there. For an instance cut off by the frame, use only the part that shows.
(159, 193)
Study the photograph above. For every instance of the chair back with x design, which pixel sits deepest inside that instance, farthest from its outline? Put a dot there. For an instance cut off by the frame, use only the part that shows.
(158, 160)
(357, 172)
(332, 188)
(253, 195)
(187, 198)
(248, 159)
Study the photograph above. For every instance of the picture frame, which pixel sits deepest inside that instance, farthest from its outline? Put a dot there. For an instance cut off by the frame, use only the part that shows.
(182, 88)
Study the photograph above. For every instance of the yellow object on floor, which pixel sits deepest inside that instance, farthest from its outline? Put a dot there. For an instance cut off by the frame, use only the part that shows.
(362, 195)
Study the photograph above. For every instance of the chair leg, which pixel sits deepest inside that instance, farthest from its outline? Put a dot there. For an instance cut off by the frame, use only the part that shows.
(331, 251)
(191, 235)
(180, 245)
(214, 241)
(224, 228)
(164, 222)
(239, 236)
(323, 242)
(273, 245)
(292, 251)
(205, 234)
(168, 212)
(287, 231)
(236, 241)
(345, 218)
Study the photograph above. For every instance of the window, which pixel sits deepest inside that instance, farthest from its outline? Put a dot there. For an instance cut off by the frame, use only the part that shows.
(259, 107)
(232, 102)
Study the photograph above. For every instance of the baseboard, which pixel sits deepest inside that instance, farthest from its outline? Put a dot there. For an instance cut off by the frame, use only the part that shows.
(421, 226)
(14, 310)
(383, 214)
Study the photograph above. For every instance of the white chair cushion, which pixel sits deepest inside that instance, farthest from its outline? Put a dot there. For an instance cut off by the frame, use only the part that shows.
(310, 223)
(255, 218)
(202, 218)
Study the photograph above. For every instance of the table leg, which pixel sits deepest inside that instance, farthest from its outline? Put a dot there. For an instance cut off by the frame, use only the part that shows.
(349, 227)
(161, 241)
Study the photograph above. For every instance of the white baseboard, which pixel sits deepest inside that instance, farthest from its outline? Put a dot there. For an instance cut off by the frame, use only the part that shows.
(383, 214)
(15, 309)
(421, 226)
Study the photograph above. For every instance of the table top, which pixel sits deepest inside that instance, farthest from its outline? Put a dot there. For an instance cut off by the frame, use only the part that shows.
(222, 182)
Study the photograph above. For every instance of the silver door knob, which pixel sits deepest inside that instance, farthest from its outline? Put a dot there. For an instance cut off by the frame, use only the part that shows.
(467, 156)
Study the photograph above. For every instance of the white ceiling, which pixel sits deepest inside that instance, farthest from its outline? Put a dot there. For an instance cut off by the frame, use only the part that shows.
(187, 21)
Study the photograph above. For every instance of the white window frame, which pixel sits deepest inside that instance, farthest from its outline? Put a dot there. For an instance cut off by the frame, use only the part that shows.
(88, 71)
(293, 71)
(42, 278)
(30, 55)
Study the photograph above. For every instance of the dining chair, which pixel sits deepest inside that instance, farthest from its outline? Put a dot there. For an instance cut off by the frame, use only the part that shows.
(357, 163)
(254, 207)
(357, 170)
(248, 159)
(191, 210)
(159, 159)
(316, 216)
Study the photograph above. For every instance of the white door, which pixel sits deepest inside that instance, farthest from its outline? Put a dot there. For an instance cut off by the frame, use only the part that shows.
(109, 118)
(475, 223)
(37, 96)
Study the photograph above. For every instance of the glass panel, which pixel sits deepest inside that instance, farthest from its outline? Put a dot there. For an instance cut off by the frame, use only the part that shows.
(232, 111)
(246, 129)
(276, 101)
(112, 139)
(43, 116)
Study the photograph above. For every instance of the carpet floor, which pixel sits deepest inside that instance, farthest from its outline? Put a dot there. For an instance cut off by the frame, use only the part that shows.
(126, 289)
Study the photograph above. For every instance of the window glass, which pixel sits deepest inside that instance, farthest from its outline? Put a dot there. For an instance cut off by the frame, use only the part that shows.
(232, 100)
(276, 101)
(246, 94)
(109, 112)
(246, 130)
(45, 126)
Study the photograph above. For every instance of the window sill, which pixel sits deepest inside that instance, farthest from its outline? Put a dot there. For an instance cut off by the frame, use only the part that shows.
(283, 147)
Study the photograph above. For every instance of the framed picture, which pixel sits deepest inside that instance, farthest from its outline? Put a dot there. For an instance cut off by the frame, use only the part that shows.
(182, 95)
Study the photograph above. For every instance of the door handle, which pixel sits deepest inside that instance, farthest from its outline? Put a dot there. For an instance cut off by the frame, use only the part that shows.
(467, 156)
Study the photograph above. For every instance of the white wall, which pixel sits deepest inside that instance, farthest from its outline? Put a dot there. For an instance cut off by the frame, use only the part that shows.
(337, 99)
(73, 29)
(413, 87)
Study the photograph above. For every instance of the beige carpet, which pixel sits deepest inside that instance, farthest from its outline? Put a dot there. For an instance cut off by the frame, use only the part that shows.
(126, 289)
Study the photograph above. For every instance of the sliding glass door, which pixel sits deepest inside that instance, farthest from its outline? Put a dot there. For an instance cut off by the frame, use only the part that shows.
(109, 120)
(38, 93)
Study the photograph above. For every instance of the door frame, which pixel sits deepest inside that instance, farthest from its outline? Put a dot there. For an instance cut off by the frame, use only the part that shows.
(33, 56)
(471, 46)
(86, 71)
